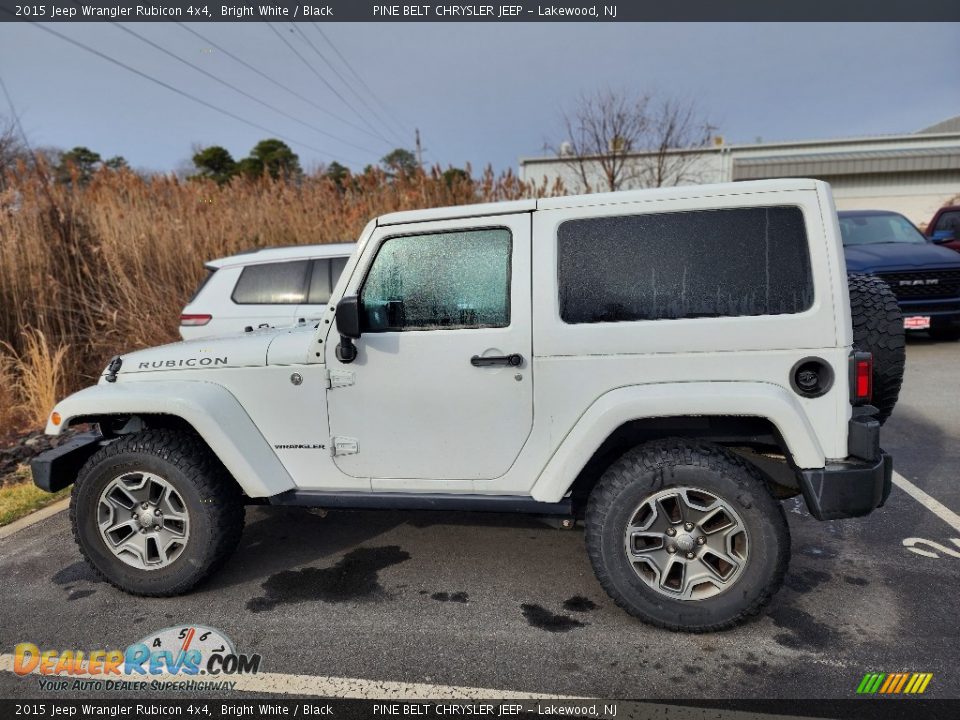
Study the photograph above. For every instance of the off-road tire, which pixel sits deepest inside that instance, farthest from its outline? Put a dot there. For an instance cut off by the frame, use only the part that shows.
(651, 467)
(212, 498)
(878, 329)
(945, 331)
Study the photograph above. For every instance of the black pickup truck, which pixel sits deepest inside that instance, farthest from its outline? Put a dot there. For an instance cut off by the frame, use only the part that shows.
(924, 276)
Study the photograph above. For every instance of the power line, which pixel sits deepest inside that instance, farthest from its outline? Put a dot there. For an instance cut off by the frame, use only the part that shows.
(346, 84)
(13, 110)
(324, 81)
(360, 80)
(278, 84)
(236, 89)
(176, 89)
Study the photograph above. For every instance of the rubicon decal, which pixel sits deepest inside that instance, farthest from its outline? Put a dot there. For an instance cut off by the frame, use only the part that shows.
(189, 650)
(182, 362)
(899, 683)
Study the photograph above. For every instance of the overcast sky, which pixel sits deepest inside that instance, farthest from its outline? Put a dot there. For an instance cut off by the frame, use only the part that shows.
(478, 93)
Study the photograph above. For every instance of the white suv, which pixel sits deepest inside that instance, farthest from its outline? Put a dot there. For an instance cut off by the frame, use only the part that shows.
(663, 365)
(276, 287)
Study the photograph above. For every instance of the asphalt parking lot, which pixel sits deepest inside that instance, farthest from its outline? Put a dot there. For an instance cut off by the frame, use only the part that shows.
(509, 604)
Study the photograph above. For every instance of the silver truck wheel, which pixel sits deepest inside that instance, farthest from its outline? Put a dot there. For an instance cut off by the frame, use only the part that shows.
(686, 535)
(143, 520)
(686, 543)
(155, 512)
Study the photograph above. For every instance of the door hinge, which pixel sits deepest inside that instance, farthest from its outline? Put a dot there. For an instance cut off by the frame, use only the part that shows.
(339, 378)
(344, 446)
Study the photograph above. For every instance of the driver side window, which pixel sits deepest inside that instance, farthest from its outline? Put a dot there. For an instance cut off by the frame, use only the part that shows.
(439, 281)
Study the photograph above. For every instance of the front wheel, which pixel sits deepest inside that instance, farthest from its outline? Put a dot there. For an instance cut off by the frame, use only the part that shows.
(686, 536)
(154, 513)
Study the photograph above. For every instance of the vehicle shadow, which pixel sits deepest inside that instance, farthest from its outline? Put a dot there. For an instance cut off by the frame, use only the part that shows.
(276, 539)
(284, 538)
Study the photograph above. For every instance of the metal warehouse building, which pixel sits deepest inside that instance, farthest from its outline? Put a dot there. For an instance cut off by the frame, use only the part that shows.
(912, 174)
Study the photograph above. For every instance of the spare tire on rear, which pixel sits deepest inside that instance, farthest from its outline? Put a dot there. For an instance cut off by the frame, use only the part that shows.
(878, 329)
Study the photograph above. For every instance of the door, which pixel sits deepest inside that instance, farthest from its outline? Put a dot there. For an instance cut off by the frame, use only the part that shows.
(440, 393)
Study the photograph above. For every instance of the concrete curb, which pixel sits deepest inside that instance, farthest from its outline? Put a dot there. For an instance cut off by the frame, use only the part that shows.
(34, 517)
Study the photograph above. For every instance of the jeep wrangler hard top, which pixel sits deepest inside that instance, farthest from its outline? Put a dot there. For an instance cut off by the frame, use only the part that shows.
(663, 365)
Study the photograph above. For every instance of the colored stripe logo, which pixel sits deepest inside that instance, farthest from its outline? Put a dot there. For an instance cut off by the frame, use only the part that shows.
(904, 683)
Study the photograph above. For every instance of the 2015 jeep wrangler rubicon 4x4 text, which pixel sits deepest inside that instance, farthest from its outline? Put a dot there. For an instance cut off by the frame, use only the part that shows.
(665, 365)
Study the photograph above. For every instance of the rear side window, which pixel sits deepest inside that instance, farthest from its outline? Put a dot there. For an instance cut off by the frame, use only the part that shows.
(323, 278)
(283, 283)
(667, 266)
(336, 270)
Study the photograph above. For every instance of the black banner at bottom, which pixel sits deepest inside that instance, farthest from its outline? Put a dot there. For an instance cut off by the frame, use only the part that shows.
(317, 709)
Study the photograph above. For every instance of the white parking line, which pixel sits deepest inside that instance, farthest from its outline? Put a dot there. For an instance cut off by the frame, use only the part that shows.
(929, 502)
(324, 686)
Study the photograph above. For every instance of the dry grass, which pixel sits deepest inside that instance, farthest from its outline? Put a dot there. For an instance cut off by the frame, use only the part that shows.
(19, 497)
(105, 268)
(10, 416)
(37, 374)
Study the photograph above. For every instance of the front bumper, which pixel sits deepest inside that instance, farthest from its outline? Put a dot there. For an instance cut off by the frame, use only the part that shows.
(856, 485)
(58, 467)
(946, 309)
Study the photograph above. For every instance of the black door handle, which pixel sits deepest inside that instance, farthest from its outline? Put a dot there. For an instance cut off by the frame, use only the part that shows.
(514, 360)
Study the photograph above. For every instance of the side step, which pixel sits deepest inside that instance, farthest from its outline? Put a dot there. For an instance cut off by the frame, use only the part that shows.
(421, 501)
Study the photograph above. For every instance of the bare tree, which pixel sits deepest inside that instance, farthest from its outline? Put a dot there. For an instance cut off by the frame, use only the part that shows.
(615, 141)
(677, 128)
(11, 145)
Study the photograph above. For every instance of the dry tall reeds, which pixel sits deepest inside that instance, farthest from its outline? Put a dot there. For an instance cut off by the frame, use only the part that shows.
(10, 416)
(37, 374)
(106, 267)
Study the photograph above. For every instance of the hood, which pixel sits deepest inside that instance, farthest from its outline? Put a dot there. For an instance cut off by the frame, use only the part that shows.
(245, 350)
(899, 256)
(292, 345)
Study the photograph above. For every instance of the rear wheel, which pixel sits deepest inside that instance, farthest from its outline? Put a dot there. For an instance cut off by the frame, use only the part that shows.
(154, 513)
(878, 329)
(686, 536)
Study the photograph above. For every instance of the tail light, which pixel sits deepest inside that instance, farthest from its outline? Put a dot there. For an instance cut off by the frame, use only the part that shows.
(861, 378)
(194, 320)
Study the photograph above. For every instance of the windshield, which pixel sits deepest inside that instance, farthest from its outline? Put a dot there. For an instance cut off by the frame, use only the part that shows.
(878, 229)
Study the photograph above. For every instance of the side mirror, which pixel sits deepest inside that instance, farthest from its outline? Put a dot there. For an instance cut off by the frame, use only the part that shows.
(348, 317)
(348, 325)
(942, 236)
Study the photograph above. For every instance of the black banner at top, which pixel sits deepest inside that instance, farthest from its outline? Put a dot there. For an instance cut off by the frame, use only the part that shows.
(514, 11)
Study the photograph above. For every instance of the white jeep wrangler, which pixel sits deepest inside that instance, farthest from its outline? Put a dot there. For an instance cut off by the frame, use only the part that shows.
(665, 365)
